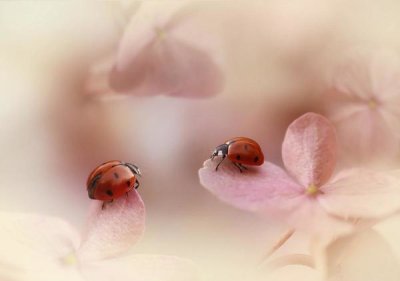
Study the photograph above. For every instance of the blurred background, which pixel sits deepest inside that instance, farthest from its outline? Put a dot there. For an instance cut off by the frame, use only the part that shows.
(54, 130)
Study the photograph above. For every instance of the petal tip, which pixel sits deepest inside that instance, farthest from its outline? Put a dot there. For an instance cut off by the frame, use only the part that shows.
(309, 149)
(114, 229)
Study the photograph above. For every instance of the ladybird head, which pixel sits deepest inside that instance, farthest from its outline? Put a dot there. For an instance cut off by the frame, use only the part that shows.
(133, 168)
(220, 150)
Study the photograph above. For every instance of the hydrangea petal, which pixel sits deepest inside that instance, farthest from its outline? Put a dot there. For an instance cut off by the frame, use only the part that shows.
(255, 189)
(114, 229)
(142, 268)
(361, 194)
(49, 272)
(365, 75)
(309, 216)
(373, 142)
(351, 78)
(138, 37)
(143, 27)
(163, 63)
(33, 246)
(35, 235)
(391, 116)
(309, 149)
(172, 68)
(384, 66)
(367, 82)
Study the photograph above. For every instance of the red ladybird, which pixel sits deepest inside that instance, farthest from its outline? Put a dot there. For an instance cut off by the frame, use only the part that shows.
(240, 150)
(112, 180)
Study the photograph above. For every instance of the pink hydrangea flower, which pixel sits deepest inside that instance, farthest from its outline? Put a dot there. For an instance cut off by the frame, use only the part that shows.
(307, 196)
(41, 248)
(362, 101)
(164, 52)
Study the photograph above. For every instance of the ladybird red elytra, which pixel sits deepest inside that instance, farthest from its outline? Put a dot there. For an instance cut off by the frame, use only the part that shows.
(241, 151)
(112, 180)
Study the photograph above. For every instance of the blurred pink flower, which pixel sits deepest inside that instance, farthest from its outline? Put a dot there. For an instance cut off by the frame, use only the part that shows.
(308, 197)
(42, 248)
(163, 53)
(363, 103)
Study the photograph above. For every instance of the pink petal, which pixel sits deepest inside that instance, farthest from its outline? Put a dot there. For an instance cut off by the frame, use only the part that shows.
(138, 37)
(152, 60)
(309, 149)
(351, 79)
(142, 268)
(186, 70)
(113, 230)
(391, 116)
(309, 216)
(366, 136)
(170, 67)
(361, 194)
(383, 66)
(256, 189)
(143, 27)
(365, 256)
(365, 74)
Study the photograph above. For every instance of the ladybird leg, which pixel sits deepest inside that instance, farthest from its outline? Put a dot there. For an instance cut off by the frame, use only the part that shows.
(239, 166)
(103, 206)
(243, 167)
(223, 158)
(137, 184)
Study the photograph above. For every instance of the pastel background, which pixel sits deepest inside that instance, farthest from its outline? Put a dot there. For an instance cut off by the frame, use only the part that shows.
(275, 56)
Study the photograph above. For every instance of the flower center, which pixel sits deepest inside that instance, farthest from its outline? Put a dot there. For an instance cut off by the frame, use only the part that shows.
(372, 104)
(312, 190)
(160, 33)
(69, 259)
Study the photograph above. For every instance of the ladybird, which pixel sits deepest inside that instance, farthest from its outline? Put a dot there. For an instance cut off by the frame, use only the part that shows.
(241, 151)
(112, 180)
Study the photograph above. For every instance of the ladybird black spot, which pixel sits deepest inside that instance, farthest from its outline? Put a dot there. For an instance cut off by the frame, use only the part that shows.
(128, 183)
(256, 159)
(116, 175)
(109, 192)
(237, 157)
